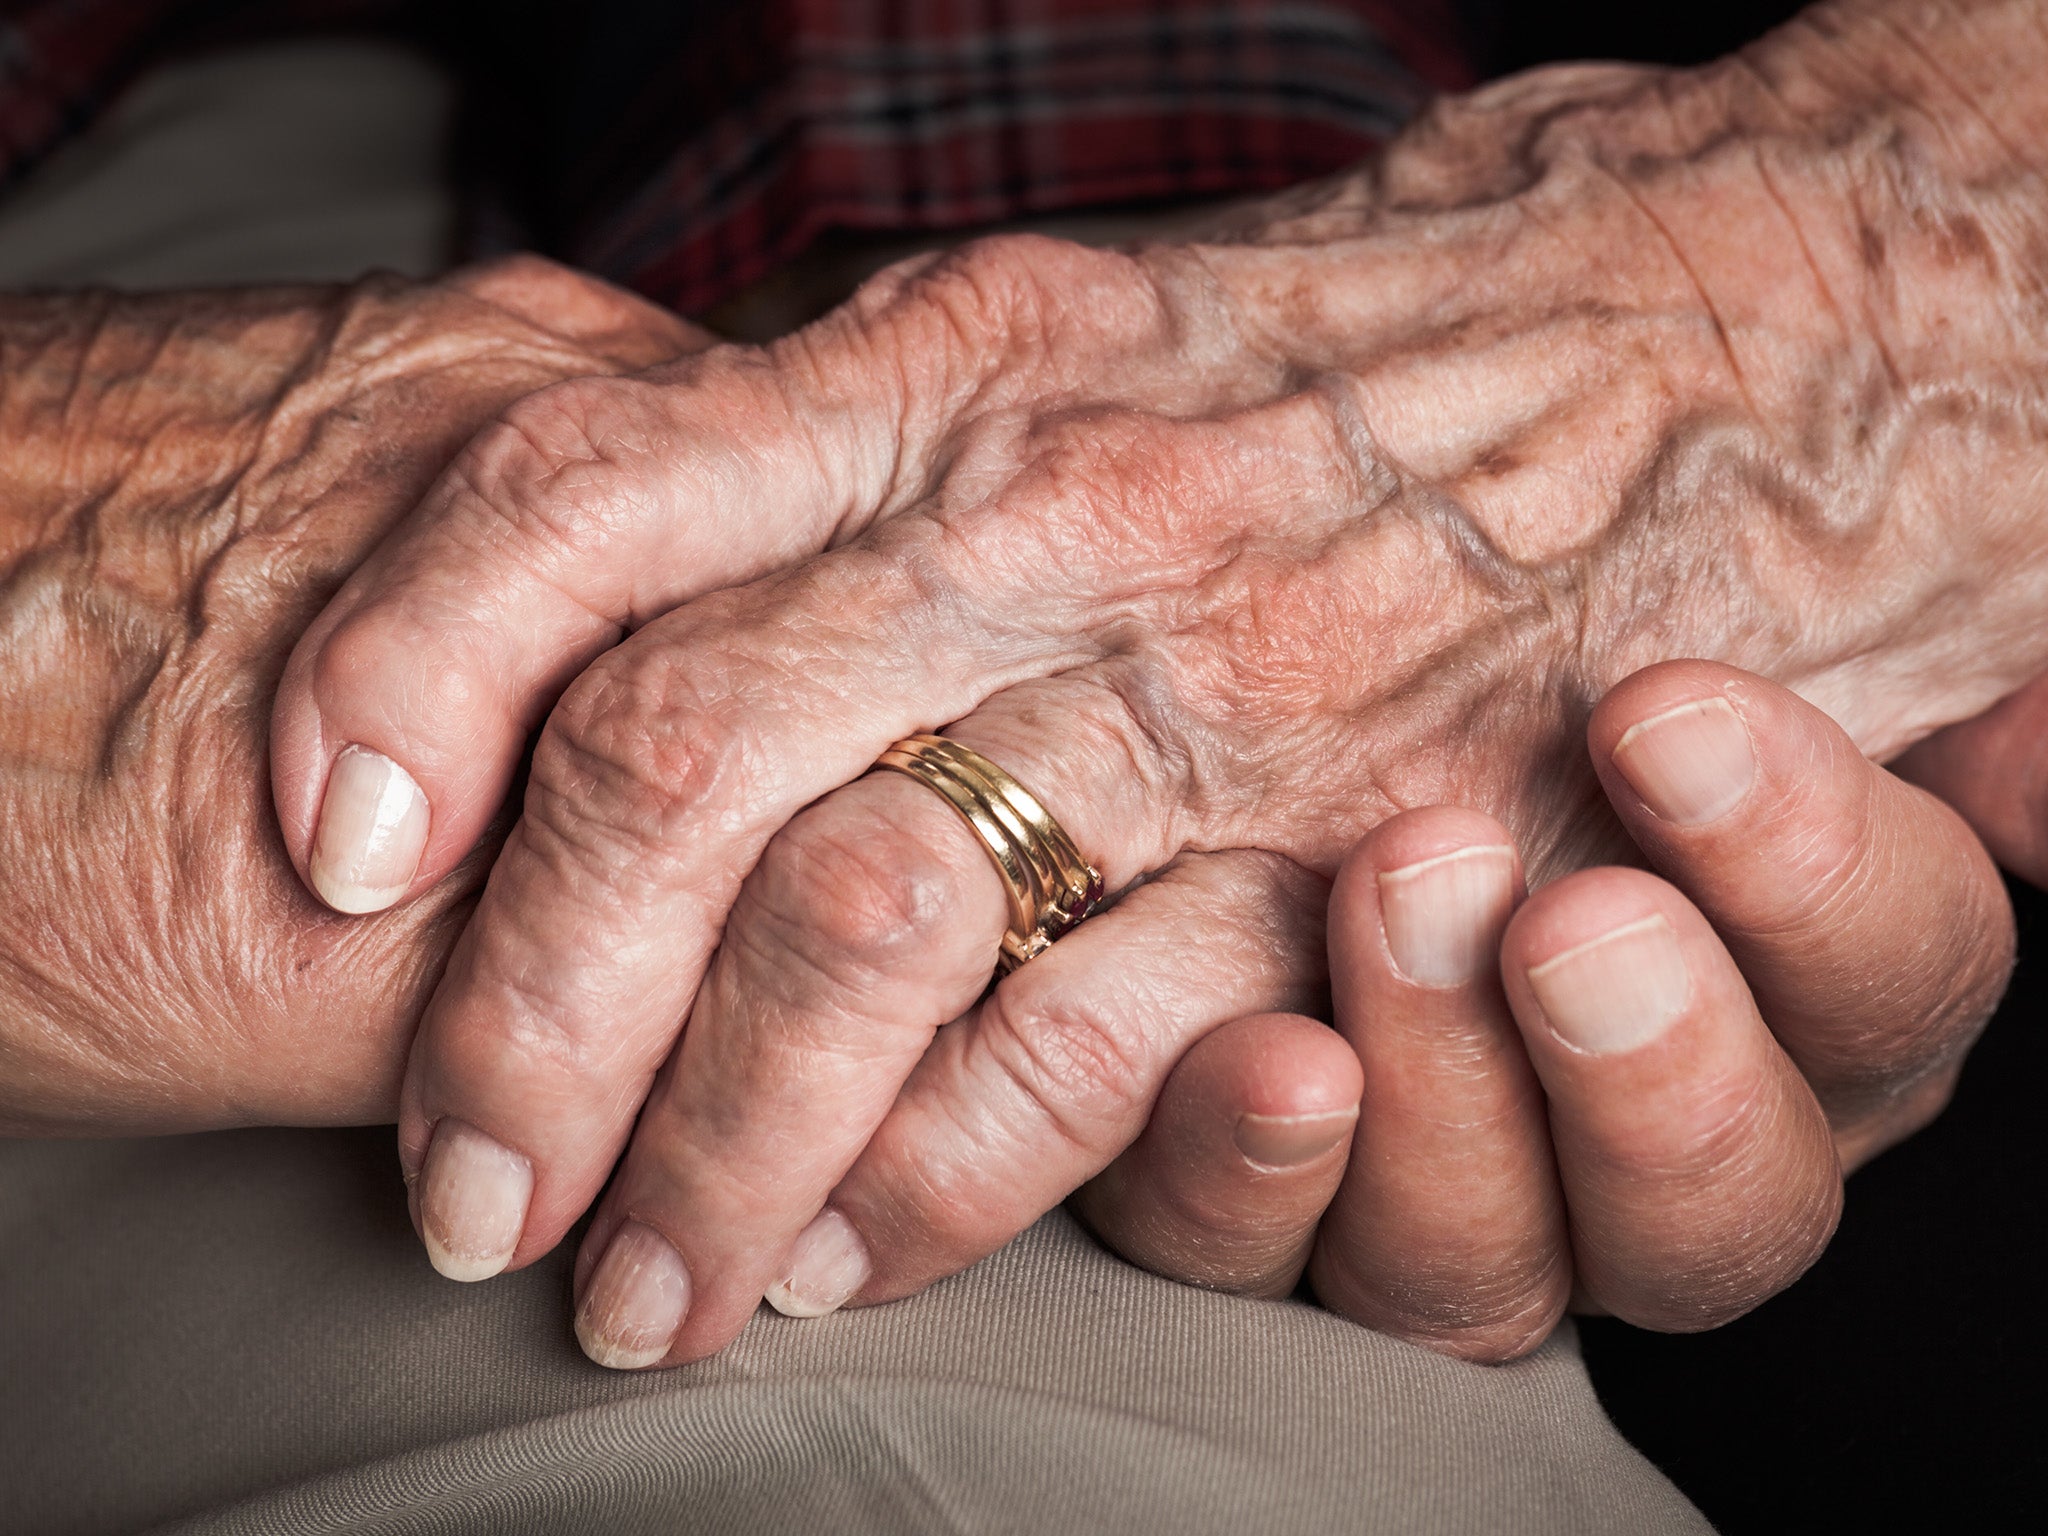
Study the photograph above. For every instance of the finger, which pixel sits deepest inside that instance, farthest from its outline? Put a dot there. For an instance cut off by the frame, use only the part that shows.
(404, 708)
(653, 791)
(1449, 1229)
(1057, 1072)
(667, 767)
(1698, 1169)
(1245, 1147)
(1994, 771)
(587, 509)
(1872, 927)
(1006, 1114)
(869, 921)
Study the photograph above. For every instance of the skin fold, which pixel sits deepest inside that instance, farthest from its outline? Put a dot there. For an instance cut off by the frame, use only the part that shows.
(1231, 550)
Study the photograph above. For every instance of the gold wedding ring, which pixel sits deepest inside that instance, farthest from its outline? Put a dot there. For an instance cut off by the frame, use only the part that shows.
(1052, 888)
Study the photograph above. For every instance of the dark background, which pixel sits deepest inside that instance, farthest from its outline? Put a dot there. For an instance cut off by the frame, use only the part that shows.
(1899, 1385)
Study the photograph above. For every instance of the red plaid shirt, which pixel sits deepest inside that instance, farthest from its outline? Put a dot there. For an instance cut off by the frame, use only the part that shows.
(687, 149)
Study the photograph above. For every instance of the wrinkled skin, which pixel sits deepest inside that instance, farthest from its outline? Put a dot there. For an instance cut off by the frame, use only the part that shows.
(1230, 550)
(1843, 933)
(189, 476)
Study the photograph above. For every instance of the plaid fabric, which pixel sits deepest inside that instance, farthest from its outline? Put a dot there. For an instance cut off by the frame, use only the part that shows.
(687, 149)
(935, 115)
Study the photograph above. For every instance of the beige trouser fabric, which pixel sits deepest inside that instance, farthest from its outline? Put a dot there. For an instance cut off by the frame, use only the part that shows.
(238, 1332)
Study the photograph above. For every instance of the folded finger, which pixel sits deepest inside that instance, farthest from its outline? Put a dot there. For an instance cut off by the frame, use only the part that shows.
(1698, 1169)
(404, 709)
(1229, 1179)
(1449, 1229)
(587, 509)
(1871, 926)
(1057, 1072)
(652, 793)
(666, 774)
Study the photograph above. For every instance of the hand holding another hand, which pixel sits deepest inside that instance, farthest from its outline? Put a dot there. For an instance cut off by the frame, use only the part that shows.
(1231, 552)
(1639, 1093)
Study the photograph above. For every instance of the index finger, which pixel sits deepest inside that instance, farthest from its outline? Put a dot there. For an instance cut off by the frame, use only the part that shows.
(585, 510)
(1870, 924)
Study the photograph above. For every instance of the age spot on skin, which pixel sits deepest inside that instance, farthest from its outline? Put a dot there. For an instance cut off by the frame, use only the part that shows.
(1962, 239)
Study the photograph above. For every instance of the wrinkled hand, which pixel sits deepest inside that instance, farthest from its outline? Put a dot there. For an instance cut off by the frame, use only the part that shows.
(1230, 552)
(1645, 1091)
(188, 478)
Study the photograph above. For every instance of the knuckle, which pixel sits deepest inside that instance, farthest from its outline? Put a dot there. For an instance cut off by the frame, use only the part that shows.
(1123, 722)
(856, 898)
(1488, 1309)
(1011, 298)
(1731, 1268)
(626, 757)
(962, 315)
(942, 1207)
(1136, 501)
(1887, 1025)
(544, 1026)
(1003, 279)
(1070, 1061)
(1129, 498)
(1734, 1228)
(550, 469)
(393, 648)
(1149, 730)
(1822, 837)
(1900, 1033)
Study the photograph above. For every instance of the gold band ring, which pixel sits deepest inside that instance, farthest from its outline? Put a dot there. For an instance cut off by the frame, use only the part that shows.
(1052, 888)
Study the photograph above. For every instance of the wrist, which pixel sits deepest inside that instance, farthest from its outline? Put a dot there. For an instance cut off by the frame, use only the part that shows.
(189, 476)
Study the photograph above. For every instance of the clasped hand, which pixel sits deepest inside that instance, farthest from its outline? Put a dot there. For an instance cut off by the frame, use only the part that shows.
(1232, 552)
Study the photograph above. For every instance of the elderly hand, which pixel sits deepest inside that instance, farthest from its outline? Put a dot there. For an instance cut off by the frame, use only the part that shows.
(188, 477)
(1230, 552)
(1604, 1092)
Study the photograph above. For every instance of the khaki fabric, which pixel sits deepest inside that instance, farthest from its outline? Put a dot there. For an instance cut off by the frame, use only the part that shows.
(238, 1333)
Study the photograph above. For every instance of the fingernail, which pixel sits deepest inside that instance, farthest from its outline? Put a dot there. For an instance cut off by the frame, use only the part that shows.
(1444, 916)
(1287, 1141)
(827, 1265)
(635, 1300)
(373, 827)
(1615, 992)
(1691, 764)
(473, 1196)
